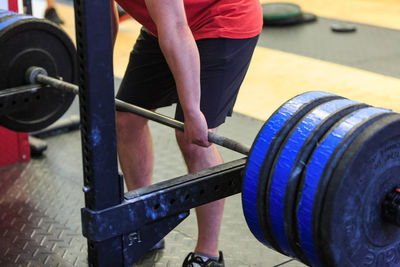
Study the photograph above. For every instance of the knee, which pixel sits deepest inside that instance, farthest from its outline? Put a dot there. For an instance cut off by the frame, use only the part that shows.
(180, 139)
(186, 148)
(128, 121)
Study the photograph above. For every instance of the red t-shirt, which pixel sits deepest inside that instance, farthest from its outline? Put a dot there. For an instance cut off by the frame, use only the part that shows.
(236, 19)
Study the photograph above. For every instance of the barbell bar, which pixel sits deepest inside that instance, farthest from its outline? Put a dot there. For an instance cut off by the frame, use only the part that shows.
(321, 181)
(39, 75)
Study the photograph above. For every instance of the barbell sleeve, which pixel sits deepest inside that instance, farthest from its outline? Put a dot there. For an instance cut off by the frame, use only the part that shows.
(39, 75)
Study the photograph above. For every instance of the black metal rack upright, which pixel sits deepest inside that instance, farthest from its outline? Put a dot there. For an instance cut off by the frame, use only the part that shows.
(102, 184)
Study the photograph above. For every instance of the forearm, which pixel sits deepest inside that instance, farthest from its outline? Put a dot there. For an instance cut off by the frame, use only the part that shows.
(180, 51)
(179, 48)
(182, 56)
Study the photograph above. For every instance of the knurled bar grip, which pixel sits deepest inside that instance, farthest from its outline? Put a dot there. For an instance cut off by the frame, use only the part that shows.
(36, 74)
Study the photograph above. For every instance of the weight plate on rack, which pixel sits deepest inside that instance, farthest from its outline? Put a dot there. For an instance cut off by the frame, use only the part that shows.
(27, 41)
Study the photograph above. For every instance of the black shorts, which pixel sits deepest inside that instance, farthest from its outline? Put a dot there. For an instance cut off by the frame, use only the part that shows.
(149, 83)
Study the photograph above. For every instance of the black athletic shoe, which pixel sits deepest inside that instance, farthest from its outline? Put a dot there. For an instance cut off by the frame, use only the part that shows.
(51, 14)
(191, 259)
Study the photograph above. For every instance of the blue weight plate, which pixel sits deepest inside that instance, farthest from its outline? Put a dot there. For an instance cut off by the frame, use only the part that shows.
(6, 16)
(277, 189)
(351, 226)
(4, 13)
(312, 186)
(268, 141)
(297, 167)
(10, 17)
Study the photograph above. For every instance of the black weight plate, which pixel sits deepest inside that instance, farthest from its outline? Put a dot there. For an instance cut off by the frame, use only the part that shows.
(351, 228)
(308, 17)
(263, 151)
(26, 41)
(312, 184)
(284, 179)
(302, 18)
(283, 21)
(281, 14)
(273, 11)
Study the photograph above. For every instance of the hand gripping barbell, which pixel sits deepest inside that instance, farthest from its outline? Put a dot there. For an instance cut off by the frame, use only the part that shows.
(321, 179)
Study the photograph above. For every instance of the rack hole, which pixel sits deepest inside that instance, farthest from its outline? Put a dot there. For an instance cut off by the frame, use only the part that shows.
(87, 169)
(88, 179)
(172, 201)
(157, 206)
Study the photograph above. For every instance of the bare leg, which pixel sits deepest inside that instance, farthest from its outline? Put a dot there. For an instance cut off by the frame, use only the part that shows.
(209, 216)
(135, 149)
(50, 4)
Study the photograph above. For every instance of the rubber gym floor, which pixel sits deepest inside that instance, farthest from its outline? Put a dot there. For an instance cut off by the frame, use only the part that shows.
(40, 201)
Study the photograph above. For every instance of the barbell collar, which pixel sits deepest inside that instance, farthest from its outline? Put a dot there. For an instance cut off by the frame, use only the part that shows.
(32, 73)
(39, 75)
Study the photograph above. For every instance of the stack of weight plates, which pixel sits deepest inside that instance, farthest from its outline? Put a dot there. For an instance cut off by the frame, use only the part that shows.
(316, 176)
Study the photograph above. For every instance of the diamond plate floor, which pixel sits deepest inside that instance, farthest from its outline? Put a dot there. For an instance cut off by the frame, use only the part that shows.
(40, 205)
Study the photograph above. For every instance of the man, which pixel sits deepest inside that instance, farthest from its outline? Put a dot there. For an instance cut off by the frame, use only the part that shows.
(195, 53)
